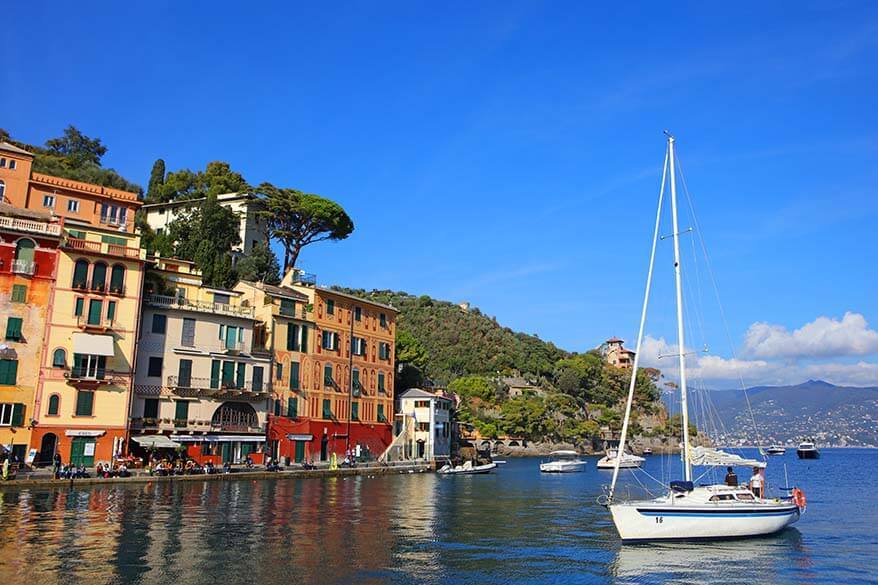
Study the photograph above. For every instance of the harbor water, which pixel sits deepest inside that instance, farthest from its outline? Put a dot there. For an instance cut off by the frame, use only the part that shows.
(514, 526)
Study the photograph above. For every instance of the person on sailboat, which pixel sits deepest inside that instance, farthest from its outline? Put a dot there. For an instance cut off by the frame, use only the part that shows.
(757, 483)
(731, 477)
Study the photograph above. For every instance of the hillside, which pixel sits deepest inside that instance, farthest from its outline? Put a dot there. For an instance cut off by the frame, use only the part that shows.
(573, 397)
(831, 415)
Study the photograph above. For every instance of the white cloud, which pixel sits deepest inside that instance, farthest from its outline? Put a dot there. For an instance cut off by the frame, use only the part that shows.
(858, 374)
(823, 337)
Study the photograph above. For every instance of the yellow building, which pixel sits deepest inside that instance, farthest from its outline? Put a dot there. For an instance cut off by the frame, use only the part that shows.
(203, 370)
(83, 395)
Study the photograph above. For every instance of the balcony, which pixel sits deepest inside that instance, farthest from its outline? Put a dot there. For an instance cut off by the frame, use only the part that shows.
(302, 277)
(99, 324)
(105, 248)
(24, 267)
(113, 221)
(93, 376)
(171, 302)
(30, 226)
(212, 387)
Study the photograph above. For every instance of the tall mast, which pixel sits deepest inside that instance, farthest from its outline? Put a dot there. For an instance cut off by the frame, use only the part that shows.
(681, 342)
(632, 383)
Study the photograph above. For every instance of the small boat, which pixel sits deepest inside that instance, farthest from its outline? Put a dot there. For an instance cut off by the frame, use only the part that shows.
(627, 461)
(776, 450)
(646, 451)
(807, 450)
(467, 469)
(563, 462)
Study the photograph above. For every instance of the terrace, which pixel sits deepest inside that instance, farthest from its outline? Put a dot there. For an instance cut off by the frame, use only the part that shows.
(171, 302)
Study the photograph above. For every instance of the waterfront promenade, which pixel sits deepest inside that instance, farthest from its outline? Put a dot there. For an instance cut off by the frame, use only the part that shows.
(43, 477)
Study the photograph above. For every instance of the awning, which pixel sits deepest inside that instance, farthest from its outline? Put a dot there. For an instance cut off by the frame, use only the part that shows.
(83, 433)
(300, 437)
(88, 344)
(716, 458)
(156, 442)
(218, 438)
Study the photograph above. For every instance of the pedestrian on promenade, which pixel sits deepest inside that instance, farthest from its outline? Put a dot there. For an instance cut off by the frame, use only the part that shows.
(56, 465)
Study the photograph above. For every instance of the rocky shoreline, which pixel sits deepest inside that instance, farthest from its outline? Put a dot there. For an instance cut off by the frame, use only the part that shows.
(543, 448)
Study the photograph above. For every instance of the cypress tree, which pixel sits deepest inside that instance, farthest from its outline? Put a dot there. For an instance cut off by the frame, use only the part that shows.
(156, 181)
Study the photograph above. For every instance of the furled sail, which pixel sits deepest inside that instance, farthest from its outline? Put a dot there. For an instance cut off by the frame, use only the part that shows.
(708, 456)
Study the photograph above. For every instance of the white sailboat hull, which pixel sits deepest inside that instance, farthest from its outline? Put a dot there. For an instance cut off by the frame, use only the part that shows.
(563, 466)
(677, 518)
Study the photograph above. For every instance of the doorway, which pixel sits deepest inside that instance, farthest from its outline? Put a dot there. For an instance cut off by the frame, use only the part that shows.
(324, 448)
(300, 451)
(82, 451)
(48, 445)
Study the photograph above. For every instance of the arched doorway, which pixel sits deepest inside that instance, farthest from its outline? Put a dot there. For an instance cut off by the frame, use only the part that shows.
(235, 417)
(47, 447)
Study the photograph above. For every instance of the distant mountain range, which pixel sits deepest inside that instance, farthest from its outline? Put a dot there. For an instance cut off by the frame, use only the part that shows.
(833, 416)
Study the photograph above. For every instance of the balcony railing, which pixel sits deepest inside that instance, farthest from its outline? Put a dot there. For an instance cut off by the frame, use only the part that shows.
(214, 385)
(105, 248)
(23, 267)
(302, 277)
(84, 322)
(33, 227)
(171, 302)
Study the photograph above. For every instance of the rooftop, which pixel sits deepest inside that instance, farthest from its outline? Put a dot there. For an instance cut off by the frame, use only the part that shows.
(418, 393)
(85, 187)
(7, 147)
(278, 291)
(225, 197)
(356, 298)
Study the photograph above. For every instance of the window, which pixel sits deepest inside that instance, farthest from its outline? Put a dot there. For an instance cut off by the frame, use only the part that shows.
(159, 323)
(381, 417)
(54, 405)
(381, 381)
(187, 339)
(228, 374)
(292, 407)
(111, 311)
(424, 426)
(95, 308)
(355, 411)
(112, 214)
(287, 307)
(356, 382)
(2, 189)
(99, 276)
(78, 234)
(329, 340)
(49, 201)
(92, 367)
(358, 346)
(382, 318)
(151, 408)
(59, 358)
(327, 375)
(358, 314)
(330, 307)
(280, 372)
(239, 377)
(257, 379)
(215, 366)
(327, 408)
(294, 375)
(184, 376)
(277, 407)
(2, 163)
(12, 414)
(19, 293)
(155, 367)
(24, 256)
(78, 306)
(292, 337)
(73, 205)
(80, 274)
(117, 279)
(84, 403)
(13, 164)
(221, 299)
(181, 413)
(8, 372)
(13, 329)
(383, 351)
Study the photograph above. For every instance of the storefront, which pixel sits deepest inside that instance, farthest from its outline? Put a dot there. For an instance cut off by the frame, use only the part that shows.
(220, 449)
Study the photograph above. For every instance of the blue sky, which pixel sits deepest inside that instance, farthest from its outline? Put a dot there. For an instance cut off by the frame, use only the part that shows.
(509, 153)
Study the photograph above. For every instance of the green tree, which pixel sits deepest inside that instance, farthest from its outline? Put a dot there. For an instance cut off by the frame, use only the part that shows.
(77, 148)
(216, 179)
(409, 350)
(474, 387)
(206, 235)
(297, 219)
(156, 181)
(260, 265)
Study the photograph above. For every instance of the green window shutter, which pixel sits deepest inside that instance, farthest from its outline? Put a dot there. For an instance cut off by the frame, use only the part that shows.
(228, 373)
(8, 372)
(257, 379)
(280, 371)
(222, 332)
(77, 307)
(327, 375)
(294, 375)
(277, 408)
(117, 279)
(84, 403)
(356, 382)
(18, 414)
(327, 408)
(54, 402)
(240, 378)
(114, 240)
(181, 411)
(381, 413)
(13, 328)
(95, 308)
(19, 293)
(184, 378)
(111, 311)
(355, 411)
(381, 382)
(215, 373)
(151, 408)
(304, 345)
(292, 408)
(292, 335)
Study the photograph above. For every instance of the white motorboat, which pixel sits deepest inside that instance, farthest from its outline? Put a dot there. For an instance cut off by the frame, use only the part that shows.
(776, 450)
(563, 462)
(686, 511)
(646, 451)
(807, 450)
(628, 461)
(467, 469)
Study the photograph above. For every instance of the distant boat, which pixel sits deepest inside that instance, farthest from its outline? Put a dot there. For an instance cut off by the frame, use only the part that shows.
(563, 462)
(627, 461)
(646, 451)
(776, 450)
(467, 469)
(807, 450)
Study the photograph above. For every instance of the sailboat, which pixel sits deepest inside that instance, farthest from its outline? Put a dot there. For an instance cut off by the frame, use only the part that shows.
(687, 511)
